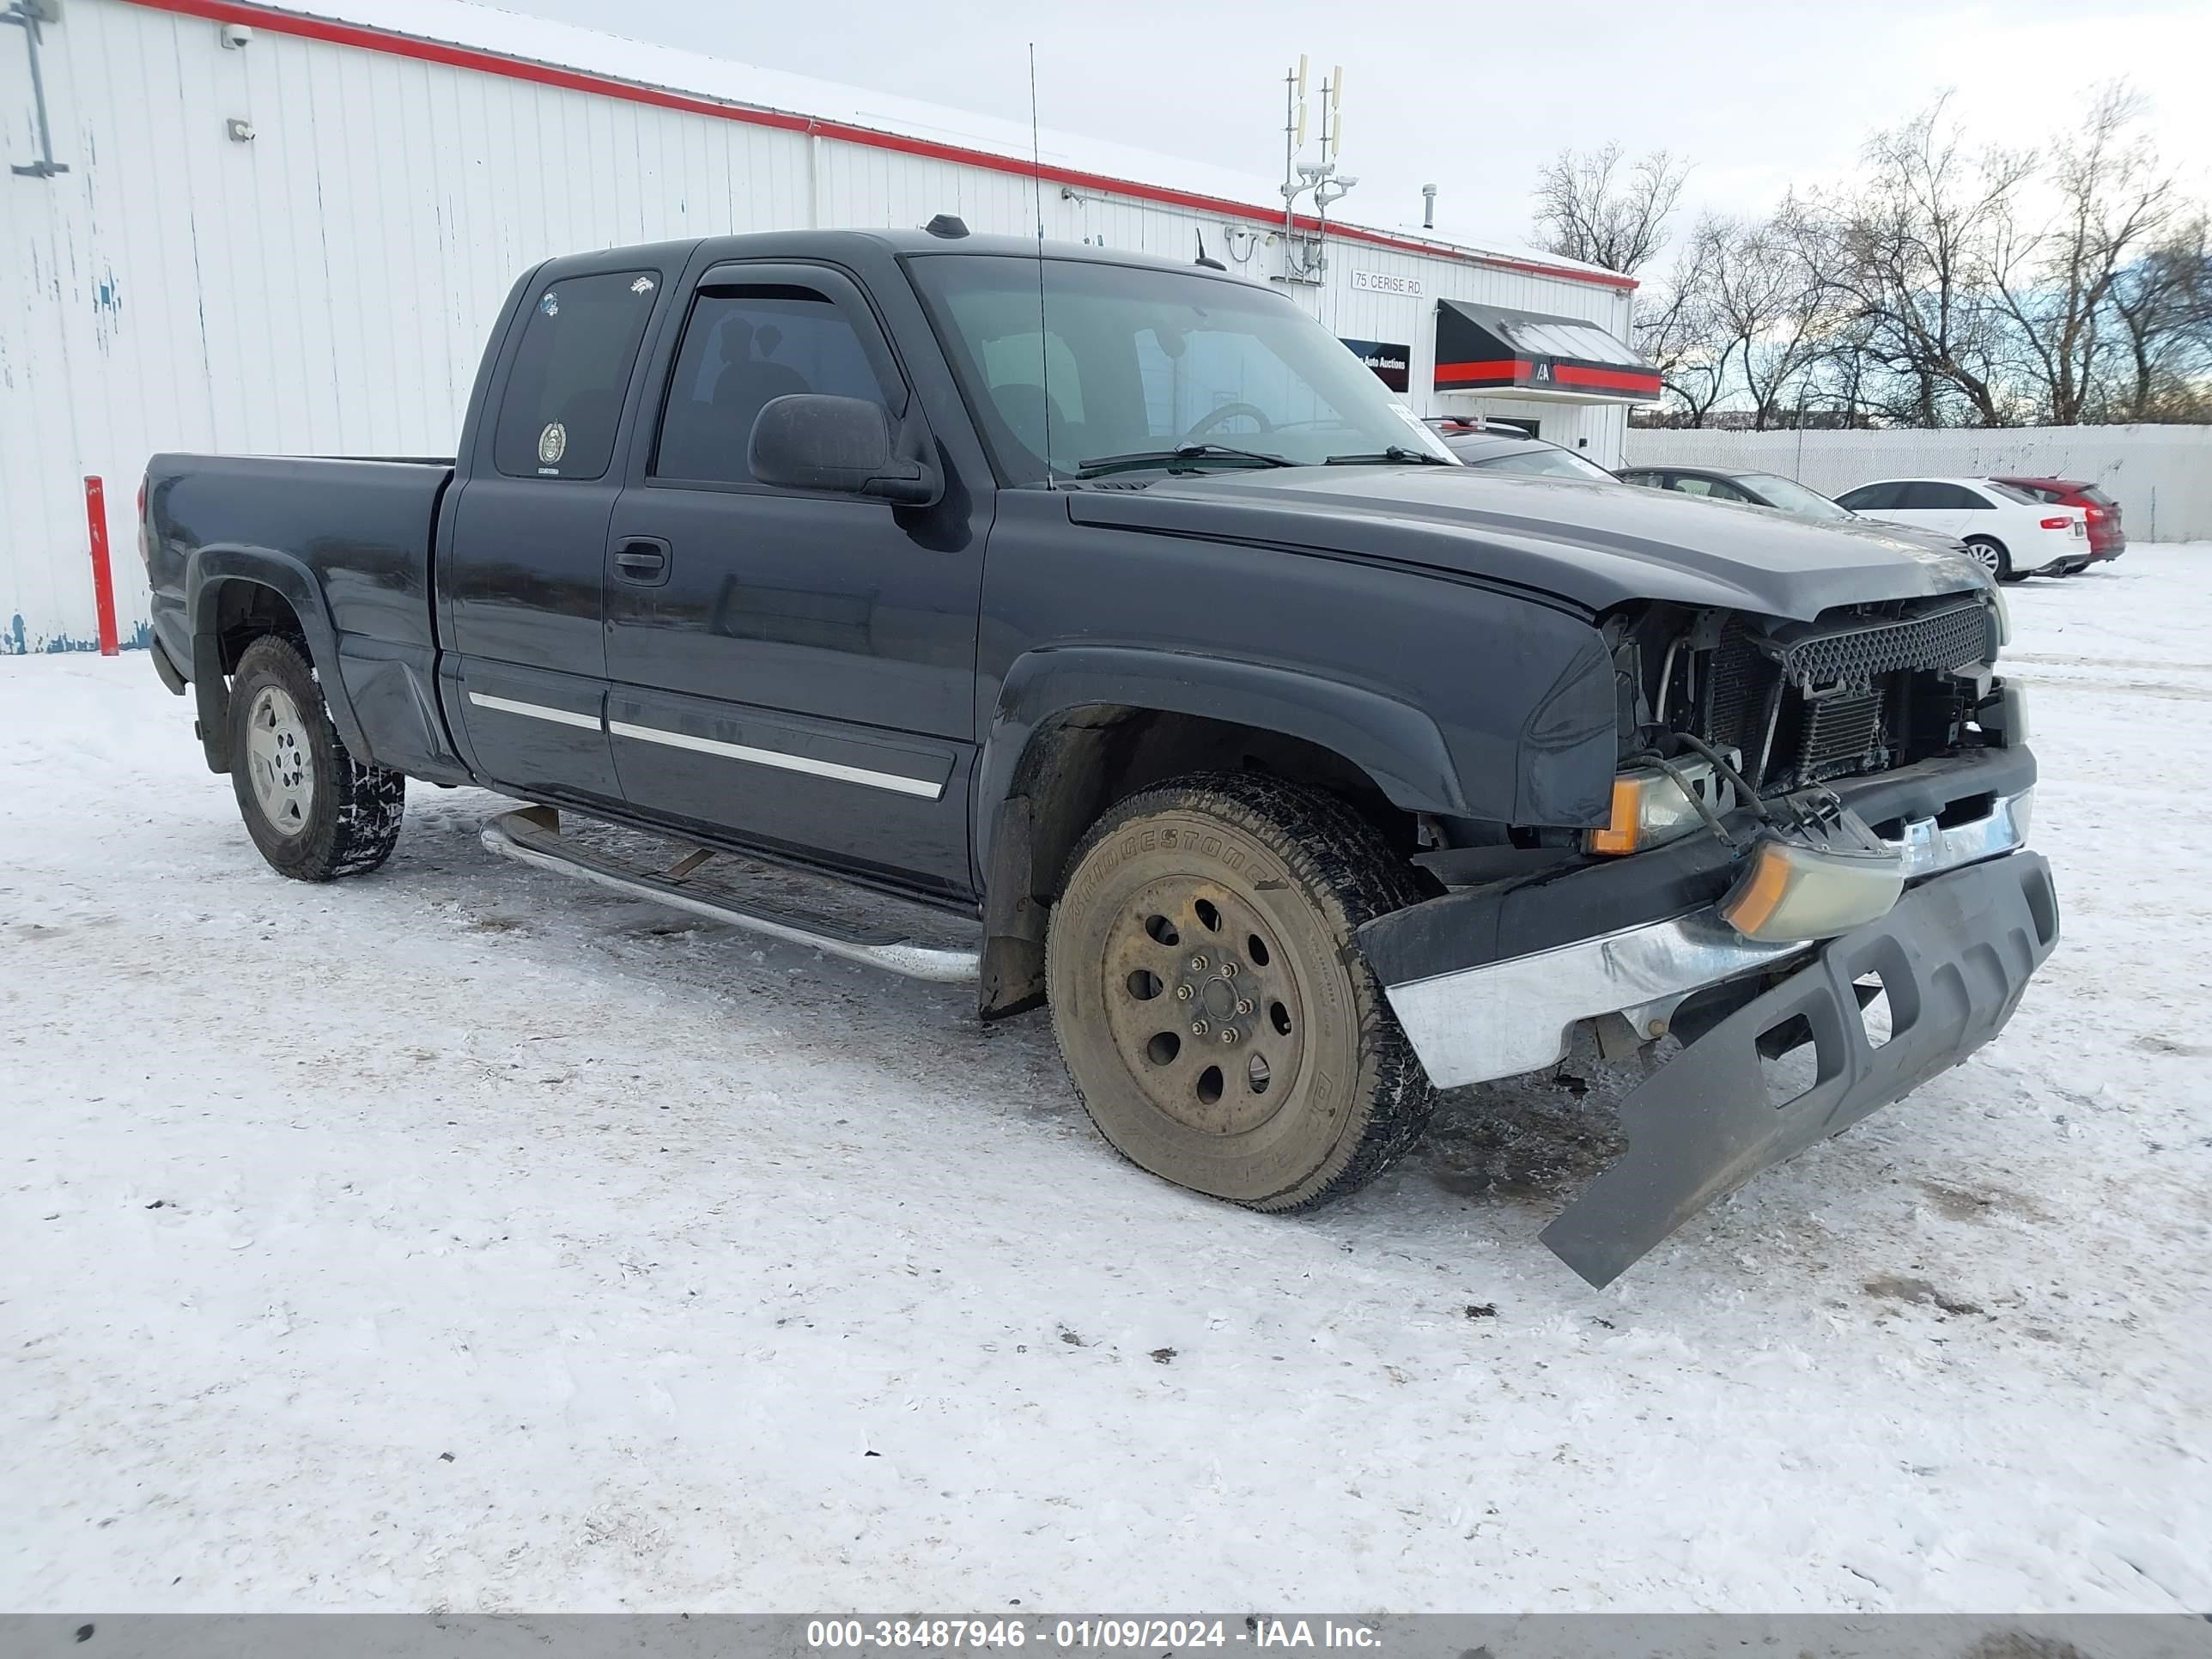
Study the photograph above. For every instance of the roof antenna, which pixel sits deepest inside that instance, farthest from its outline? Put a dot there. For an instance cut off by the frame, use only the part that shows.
(1211, 264)
(1037, 193)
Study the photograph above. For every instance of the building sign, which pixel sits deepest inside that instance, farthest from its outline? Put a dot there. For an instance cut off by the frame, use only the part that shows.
(1391, 362)
(1381, 282)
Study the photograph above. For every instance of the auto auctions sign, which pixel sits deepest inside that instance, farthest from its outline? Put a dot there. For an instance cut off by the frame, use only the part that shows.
(1391, 362)
(1382, 281)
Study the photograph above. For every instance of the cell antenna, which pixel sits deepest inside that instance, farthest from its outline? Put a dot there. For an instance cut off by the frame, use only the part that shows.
(1037, 193)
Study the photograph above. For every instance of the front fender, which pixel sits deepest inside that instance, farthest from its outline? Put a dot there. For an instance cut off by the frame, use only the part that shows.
(1396, 744)
(208, 573)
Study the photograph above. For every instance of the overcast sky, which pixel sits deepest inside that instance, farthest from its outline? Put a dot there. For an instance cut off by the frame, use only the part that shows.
(1474, 96)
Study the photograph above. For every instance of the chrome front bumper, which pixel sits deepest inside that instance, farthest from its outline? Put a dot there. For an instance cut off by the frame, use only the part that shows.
(1505, 1017)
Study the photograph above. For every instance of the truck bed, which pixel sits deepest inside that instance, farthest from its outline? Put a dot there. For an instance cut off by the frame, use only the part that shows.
(351, 539)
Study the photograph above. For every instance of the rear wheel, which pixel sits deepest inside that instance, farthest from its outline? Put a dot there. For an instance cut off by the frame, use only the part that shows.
(1211, 999)
(315, 812)
(1991, 553)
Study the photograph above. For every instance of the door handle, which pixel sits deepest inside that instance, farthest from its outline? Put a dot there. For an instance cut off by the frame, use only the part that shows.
(641, 559)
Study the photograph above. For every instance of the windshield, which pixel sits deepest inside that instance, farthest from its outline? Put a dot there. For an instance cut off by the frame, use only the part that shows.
(1132, 362)
(1793, 497)
(1547, 463)
(2007, 492)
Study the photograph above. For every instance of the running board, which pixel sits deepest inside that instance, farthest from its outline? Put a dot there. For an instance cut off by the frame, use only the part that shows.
(532, 836)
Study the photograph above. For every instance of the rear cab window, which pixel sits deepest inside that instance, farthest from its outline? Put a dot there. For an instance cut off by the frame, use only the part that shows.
(562, 402)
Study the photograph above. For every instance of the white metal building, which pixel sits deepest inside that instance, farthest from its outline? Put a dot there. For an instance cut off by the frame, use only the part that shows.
(243, 228)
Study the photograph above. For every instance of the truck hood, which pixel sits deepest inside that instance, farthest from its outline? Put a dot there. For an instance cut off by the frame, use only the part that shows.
(1594, 544)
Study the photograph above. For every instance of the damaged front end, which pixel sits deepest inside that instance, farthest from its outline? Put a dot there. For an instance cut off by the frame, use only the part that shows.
(1830, 812)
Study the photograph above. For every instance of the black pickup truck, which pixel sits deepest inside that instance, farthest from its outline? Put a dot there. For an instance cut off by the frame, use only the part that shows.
(1099, 630)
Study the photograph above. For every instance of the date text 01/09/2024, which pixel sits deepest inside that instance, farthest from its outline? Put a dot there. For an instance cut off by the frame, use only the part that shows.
(956, 1634)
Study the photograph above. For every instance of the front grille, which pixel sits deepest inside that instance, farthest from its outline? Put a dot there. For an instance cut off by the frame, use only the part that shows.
(1811, 701)
(1860, 655)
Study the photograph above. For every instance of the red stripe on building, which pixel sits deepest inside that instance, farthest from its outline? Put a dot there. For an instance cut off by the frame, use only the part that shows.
(1506, 370)
(366, 38)
(1609, 379)
(1517, 371)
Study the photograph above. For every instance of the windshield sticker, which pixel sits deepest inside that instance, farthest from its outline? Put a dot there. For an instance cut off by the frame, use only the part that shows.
(552, 443)
(551, 304)
(1429, 440)
(642, 285)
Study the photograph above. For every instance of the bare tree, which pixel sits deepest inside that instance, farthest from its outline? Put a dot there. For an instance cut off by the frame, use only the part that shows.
(1846, 377)
(1945, 284)
(1590, 207)
(1676, 329)
(2054, 281)
(1773, 309)
(1906, 255)
(2162, 302)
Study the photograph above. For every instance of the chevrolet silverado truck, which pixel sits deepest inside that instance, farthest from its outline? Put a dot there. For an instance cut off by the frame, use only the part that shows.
(1098, 630)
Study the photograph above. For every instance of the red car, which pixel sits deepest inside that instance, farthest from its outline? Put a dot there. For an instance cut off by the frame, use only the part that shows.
(2107, 540)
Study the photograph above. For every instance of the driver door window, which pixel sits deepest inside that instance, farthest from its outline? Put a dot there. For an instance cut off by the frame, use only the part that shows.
(742, 349)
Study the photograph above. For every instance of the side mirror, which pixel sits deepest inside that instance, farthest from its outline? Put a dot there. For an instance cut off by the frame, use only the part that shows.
(846, 445)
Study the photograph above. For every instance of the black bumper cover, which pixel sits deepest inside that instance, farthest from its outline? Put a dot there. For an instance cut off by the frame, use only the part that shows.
(1953, 957)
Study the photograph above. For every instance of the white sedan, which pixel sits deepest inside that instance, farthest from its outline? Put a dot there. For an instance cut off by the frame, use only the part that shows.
(2010, 532)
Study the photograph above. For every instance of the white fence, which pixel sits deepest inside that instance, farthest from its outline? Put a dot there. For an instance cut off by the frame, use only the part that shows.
(2161, 476)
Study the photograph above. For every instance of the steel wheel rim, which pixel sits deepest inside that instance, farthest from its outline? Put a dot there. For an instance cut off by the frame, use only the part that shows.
(279, 760)
(1211, 1030)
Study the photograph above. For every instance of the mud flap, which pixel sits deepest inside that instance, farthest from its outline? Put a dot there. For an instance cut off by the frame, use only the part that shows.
(1953, 957)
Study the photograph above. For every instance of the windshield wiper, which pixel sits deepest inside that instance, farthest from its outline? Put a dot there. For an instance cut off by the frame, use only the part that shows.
(1168, 458)
(1394, 453)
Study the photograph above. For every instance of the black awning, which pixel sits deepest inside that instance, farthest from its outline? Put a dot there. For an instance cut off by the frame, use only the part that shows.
(1487, 349)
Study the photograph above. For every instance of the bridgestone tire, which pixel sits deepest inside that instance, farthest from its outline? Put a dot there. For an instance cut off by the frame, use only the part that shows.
(349, 822)
(1265, 884)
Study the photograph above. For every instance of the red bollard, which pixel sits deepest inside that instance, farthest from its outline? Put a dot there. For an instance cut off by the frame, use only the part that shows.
(103, 579)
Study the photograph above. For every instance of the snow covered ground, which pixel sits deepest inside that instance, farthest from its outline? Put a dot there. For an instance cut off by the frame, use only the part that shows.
(461, 1237)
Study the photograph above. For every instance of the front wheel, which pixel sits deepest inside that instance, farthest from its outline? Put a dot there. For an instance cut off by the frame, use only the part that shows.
(315, 812)
(1216, 1016)
(1991, 553)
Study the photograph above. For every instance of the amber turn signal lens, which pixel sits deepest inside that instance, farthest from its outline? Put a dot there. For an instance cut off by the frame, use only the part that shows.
(1648, 807)
(1620, 834)
(1790, 892)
